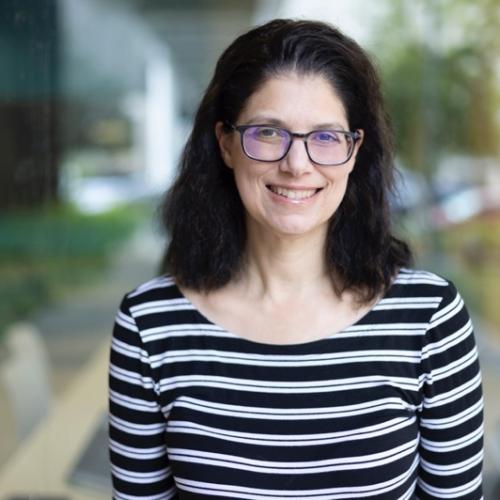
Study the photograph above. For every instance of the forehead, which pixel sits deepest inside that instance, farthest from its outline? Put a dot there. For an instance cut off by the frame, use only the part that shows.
(296, 100)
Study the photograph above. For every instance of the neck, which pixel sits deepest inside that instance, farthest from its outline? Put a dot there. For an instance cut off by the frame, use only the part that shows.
(281, 267)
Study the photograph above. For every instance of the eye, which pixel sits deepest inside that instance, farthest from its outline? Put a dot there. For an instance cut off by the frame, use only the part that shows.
(267, 133)
(325, 137)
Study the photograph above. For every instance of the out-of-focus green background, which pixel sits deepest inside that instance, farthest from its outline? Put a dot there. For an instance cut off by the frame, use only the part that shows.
(96, 100)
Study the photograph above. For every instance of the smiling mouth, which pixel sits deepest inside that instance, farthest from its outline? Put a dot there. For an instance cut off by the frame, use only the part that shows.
(293, 194)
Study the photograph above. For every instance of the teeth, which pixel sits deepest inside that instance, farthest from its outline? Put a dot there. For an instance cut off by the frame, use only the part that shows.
(293, 194)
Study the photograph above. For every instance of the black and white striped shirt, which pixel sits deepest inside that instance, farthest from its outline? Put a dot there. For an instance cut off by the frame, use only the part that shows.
(388, 408)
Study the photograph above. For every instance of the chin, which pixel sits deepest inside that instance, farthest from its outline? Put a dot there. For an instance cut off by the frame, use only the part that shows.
(298, 228)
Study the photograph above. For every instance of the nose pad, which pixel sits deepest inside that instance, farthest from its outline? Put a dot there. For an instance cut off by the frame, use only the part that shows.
(297, 161)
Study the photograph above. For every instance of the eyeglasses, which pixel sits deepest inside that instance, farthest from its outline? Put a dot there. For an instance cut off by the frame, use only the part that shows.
(324, 147)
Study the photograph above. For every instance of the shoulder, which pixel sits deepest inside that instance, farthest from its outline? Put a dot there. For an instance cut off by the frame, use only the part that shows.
(427, 291)
(153, 309)
(154, 294)
(447, 331)
(418, 282)
(409, 276)
(152, 288)
(449, 314)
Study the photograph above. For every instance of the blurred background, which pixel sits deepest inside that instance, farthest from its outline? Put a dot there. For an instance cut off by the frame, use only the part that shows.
(96, 100)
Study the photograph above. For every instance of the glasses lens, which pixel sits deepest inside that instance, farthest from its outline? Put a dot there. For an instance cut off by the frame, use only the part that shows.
(265, 143)
(329, 147)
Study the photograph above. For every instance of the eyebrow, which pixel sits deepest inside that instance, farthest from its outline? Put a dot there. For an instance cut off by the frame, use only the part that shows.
(269, 120)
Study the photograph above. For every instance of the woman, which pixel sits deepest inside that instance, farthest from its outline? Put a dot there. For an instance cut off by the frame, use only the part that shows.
(291, 352)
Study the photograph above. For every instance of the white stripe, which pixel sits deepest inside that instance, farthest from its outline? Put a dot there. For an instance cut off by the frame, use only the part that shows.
(452, 469)
(291, 387)
(157, 306)
(141, 477)
(311, 467)
(391, 307)
(262, 413)
(159, 282)
(249, 359)
(130, 377)
(231, 491)
(138, 453)
(447, 312)
(453, 394)
(419, 281)
(391, 327)
(455, 366)
(453, 493)
(184, 330)
(287, 440)
(388, 329)
(133, 403)
(167, 495)
(211, 330)
(450, 340)
(454, 444)
(408, 303)
(410, 492)
(454, 420)
(126, 322)
(416, 276)
(128, 350)
(136, 429)
(412, 300)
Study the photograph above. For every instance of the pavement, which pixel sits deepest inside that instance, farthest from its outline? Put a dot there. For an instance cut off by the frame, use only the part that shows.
(75, 328)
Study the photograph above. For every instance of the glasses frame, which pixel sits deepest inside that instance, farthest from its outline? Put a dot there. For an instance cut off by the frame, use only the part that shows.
(354, 136)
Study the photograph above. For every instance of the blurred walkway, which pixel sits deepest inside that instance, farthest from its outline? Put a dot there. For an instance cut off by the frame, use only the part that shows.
(76, 326)
(76, 333)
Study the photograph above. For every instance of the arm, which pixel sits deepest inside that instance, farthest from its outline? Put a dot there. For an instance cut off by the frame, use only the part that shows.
(451, 423)
(138, 455)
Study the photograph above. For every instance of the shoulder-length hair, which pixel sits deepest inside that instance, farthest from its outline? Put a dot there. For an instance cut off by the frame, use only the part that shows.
(202, 212)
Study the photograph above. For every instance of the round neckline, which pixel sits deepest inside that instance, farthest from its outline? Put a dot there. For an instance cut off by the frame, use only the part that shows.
(297, 345)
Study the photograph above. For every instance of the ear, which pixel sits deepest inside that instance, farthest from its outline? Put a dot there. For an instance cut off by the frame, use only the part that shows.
(357, 145)
(224, 140)
(359, 142)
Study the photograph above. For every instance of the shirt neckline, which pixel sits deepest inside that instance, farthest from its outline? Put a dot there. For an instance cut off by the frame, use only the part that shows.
(298, 345)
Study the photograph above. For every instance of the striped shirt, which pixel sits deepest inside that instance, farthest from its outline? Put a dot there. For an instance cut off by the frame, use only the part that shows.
(388, 408)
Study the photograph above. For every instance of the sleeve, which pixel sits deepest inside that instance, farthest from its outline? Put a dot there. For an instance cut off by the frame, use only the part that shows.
(137, 450)
(451, 420)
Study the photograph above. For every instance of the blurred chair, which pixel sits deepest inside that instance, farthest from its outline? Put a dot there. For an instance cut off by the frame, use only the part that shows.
(24, 383)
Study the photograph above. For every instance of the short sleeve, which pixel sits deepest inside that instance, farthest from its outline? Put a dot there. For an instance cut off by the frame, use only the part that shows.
(451, 420)
(138, 455)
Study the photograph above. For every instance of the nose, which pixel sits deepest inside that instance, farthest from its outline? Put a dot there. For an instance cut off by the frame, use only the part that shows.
(296, 162)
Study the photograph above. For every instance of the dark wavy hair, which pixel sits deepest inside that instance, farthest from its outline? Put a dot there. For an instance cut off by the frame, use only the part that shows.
(202, 212)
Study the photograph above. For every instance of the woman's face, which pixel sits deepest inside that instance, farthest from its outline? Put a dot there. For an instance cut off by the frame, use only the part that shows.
(292, 196)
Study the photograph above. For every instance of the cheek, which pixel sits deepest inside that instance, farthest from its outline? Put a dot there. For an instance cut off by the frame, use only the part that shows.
(339, 185)
(344, 186)
(339, 193)
(339, 178)
(244, 184)
(251, 186)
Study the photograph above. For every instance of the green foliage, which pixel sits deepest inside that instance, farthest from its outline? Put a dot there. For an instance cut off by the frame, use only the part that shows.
(471, 253)
(438, 64)
(44, 253)
(61, 233)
